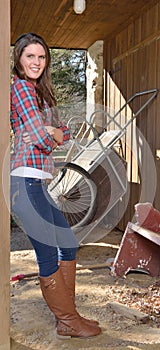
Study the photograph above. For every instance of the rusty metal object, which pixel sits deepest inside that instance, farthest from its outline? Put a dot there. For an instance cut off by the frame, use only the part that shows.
(147, 216)
(139, 249)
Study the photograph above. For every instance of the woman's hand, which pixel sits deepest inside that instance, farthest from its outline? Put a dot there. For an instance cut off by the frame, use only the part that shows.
(56, 133)
(55, 145)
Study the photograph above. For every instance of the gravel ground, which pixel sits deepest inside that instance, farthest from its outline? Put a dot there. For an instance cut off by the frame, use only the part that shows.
(97, 294)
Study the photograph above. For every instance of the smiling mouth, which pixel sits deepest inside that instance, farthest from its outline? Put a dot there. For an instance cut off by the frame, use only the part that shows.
(35, 69)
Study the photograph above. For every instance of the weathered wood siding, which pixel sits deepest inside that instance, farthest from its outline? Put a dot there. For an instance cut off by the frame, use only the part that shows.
(4, 175)
(132, 64)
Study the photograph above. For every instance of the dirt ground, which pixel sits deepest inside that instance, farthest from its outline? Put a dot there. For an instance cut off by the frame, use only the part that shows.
(97, 294)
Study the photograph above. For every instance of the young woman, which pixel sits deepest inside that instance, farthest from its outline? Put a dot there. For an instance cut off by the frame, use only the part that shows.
(37, 131)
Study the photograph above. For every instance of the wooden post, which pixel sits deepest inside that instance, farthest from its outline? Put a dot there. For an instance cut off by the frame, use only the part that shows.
(4, 174)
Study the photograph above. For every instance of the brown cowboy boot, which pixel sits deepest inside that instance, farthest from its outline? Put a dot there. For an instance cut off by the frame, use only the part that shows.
(68, 269)
(61, 304)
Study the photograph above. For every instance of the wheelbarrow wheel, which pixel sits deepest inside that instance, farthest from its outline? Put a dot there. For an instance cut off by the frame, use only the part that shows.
(75, 194)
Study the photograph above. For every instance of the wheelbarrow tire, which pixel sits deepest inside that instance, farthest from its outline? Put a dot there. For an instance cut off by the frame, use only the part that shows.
(75, 193)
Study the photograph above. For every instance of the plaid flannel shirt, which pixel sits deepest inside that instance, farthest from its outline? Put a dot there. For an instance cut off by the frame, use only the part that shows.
(26, 117)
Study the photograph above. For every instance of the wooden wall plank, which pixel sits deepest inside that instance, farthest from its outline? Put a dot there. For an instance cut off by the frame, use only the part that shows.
(4, 143)
(137, 31)
(149, 22)
(137, 54)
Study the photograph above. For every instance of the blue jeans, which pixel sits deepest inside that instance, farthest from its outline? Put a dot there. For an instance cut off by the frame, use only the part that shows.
(38, 216)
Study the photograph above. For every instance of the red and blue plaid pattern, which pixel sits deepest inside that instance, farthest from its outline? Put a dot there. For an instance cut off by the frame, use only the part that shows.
(26, 117)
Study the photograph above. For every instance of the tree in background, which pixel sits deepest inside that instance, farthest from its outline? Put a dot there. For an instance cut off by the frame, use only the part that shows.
(68, 69)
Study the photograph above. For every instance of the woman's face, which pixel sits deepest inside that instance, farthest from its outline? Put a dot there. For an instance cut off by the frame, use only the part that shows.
(33, 60)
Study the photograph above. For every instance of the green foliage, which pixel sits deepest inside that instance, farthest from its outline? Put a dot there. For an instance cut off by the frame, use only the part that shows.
(68, 75)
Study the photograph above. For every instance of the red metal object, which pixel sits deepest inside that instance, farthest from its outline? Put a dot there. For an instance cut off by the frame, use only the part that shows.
(139, 249)
(22, 276)
(147, 216)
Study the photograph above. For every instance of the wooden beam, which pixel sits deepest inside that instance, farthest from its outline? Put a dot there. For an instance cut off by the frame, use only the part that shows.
(139, 46)
(4, 174)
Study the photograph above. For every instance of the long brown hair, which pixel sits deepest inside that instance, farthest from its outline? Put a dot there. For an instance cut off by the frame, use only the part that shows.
(44, 87)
